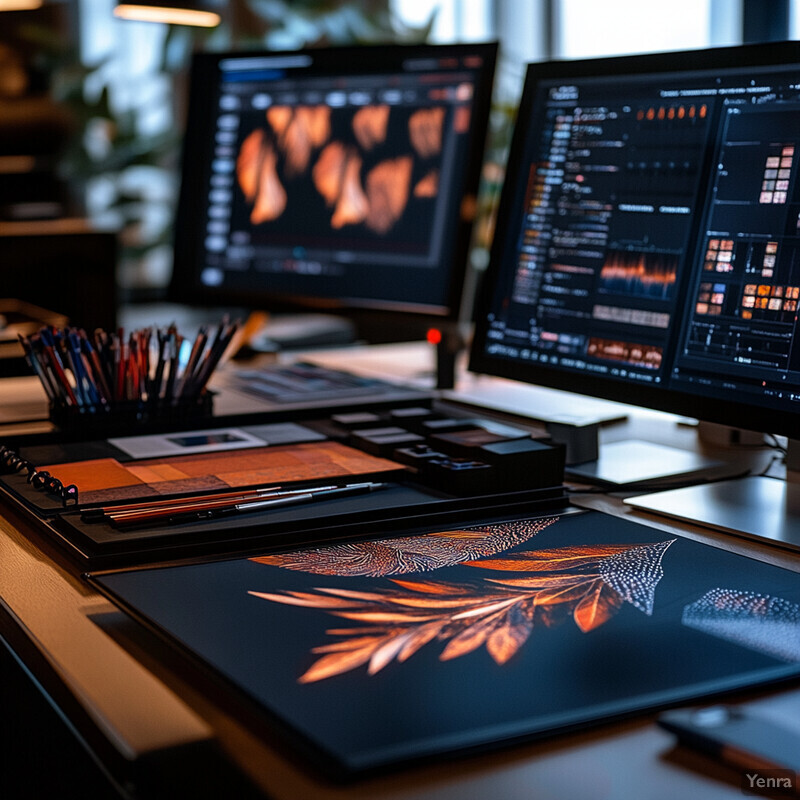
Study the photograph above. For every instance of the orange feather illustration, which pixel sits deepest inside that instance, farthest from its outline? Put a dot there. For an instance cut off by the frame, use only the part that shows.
(588, 583)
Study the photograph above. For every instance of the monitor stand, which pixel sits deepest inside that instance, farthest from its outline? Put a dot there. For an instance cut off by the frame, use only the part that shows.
(632, 463)
(766, 509)
(575, 420)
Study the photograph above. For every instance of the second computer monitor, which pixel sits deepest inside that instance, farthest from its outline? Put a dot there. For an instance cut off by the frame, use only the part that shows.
(341, 177)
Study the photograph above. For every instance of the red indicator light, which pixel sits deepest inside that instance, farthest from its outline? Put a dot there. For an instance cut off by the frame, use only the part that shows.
(434, 336)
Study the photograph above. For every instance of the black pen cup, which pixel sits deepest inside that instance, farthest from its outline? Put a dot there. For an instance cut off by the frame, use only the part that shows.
(132, 416)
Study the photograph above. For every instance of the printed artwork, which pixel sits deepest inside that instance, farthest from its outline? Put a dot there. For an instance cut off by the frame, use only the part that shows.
(546, 587)
(763, 622)
(403, 555)
(382, 651)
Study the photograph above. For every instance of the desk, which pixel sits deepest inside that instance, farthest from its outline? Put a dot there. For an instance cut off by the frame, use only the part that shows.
(158, 731)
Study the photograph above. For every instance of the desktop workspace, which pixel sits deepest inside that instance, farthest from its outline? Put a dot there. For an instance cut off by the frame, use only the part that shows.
(74, 628)
(113, 676)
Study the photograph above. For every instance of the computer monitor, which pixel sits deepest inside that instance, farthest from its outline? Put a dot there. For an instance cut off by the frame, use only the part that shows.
(647, 247)
(337, 178)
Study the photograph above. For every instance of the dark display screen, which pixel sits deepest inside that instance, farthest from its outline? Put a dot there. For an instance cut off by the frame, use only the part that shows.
(647, 244)
(340, 176)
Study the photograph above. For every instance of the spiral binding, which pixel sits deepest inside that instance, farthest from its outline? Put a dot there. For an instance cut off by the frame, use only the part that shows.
(11, 462)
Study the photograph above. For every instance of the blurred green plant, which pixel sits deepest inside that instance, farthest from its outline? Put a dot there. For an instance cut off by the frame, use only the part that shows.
(106, 143)
(498, 141)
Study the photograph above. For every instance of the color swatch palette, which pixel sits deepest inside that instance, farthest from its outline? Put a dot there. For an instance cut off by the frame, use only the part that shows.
(104, 480)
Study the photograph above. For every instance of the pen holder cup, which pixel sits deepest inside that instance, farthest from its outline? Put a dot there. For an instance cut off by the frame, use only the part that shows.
(132, 416)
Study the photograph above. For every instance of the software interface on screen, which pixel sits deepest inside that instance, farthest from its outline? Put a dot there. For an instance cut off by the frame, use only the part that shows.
(338, 174)
(651, 237)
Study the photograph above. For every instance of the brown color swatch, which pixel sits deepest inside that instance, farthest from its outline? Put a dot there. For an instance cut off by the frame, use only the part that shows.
(106, 480)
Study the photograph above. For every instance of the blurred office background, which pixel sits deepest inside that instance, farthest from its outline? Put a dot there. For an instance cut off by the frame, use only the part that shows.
(91, 104)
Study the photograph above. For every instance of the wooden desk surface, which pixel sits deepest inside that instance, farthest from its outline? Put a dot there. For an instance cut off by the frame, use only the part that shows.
(136, 702)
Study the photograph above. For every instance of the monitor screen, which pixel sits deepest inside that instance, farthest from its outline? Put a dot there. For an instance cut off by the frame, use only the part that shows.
(646, 248)
(341, 177)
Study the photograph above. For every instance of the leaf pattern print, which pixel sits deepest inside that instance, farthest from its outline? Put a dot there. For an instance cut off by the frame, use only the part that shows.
(406, 554)
(588, 583)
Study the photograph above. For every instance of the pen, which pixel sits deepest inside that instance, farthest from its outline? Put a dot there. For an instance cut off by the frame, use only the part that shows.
(155, 389)
(35, 365)
(198, 346)
(305, 497)
(174, 347)
(152, 504)
(225, 334)
(94, 360)
(48, 345)
(119, 348)
(291, 497)
(144, 349)
(188, 506)
(80, 371)
(68, 358)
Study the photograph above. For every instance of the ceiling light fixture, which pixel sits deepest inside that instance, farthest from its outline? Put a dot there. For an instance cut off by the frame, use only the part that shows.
(20, 5)
(171, 12)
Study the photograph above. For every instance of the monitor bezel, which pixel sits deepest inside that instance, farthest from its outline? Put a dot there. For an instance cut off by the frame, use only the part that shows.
(730, 412)
(184, 286)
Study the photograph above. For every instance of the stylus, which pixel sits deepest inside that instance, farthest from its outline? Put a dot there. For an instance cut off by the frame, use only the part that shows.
(295, 499)
(323, 494)
(189, 505)
(190, 508)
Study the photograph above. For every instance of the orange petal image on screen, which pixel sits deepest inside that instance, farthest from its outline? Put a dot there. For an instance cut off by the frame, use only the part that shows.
(428, 186)
(247, 164)
(271, 197)
(369, 125)
(328, 172)
(308, 129)
(387, 187)
(279, 118)
(317, 121)
(352, 205)
(425, 130)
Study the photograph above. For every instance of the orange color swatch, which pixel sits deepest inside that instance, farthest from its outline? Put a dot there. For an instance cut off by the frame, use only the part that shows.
(106, 480)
